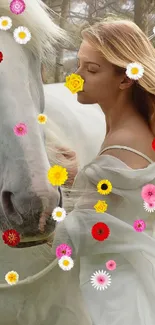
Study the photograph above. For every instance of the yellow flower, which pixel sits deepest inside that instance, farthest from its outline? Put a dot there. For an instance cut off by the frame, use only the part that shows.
(57, 175)
(74, 83)
(104, 187)
(42, 118)
(101, 206)
(12, 277)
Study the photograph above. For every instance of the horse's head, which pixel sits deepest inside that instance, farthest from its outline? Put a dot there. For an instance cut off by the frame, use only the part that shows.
(27, 199)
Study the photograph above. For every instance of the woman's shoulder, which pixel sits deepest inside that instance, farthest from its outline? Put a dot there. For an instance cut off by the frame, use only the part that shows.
(139, 141)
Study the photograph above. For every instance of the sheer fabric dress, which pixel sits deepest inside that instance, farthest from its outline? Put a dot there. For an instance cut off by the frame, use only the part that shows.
(130, 297)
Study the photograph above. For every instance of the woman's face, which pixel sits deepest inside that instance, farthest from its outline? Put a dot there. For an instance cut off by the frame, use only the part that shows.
(101, 81)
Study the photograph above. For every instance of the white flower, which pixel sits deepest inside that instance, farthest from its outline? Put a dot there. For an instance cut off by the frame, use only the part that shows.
(12, 277)
(100, 280)
(66, 263)
(149, 207)
(59, 214)
(134, 71)
(5, 23)
(154, 30)
(22, 35)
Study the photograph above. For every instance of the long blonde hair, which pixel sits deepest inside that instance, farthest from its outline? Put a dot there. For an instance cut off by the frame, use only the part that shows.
(122, 42)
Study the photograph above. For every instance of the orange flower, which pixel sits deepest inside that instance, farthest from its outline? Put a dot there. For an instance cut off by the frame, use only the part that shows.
(42, 118)
(12, 277)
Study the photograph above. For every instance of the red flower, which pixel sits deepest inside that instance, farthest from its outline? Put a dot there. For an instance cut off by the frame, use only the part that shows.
(153, 144)
(1, 56)
(11, 237)
(100, 231)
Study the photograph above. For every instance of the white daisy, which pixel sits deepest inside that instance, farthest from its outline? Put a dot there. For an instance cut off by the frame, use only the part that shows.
(22, 35)
(100, 280)
(12, 277)
(59, 214)
(66, 263)
(5, 23)
(134, 71)
(149, 207)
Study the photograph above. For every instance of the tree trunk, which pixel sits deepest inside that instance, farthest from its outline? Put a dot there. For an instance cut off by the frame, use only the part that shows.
(59, 58)
(91, 10)
(141, 14)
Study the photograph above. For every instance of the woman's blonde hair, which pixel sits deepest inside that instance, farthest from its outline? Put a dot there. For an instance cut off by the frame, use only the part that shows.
(122, 42)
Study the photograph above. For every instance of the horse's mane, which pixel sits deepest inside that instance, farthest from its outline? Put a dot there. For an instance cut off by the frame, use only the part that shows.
(38, 18)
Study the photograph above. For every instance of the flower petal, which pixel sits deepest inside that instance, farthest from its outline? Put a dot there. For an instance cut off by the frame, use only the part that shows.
(11, 237)
(17, 6)
(22, 35)
(12, 277)
(100, 280)
(100, 231)
(57, 175)
(66, 263)
(134, 71)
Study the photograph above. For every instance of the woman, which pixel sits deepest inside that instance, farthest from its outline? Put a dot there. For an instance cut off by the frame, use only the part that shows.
(111, 229)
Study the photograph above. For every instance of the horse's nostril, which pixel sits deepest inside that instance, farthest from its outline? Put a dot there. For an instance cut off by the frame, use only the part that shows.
(7, 203)
(29, 213)
(8, 207)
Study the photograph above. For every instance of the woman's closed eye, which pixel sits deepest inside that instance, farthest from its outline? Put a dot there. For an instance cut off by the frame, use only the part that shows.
(91, 70)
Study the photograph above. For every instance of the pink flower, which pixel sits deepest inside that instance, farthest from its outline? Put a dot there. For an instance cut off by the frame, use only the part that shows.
(149, 207)
(139, 225)
(20, 129)
(148, 193)
(111, 265)
(17, 6)
(100, 280)
(62, 250)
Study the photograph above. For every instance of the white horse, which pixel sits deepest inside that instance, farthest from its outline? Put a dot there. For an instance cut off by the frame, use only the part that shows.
(27, 198)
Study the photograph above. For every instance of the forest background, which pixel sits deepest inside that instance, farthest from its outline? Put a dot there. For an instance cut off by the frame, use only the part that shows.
(75, 15)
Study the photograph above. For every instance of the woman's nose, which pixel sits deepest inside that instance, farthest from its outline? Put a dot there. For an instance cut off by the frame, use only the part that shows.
(79, 72)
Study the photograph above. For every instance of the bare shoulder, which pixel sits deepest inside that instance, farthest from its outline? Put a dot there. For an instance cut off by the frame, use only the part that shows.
(140, 141)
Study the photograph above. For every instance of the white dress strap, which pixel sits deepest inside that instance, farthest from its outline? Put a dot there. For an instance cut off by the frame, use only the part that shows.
(129, 149)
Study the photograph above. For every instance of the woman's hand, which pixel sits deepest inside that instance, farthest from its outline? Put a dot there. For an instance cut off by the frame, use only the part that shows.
(65, 155)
